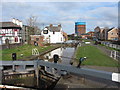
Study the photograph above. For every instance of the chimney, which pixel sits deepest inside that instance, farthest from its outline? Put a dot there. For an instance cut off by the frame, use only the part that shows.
(20, 22)
(51, 25)
(17, 22)
(59, 25)
(14, 20)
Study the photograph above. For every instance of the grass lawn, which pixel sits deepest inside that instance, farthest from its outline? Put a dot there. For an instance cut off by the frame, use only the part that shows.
(95, 57)
(26, 50)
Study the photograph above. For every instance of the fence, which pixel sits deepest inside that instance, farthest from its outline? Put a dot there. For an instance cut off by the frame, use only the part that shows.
(115, 55)
(111, 45)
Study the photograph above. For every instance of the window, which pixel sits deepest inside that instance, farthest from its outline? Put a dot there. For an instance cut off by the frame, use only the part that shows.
(37, 39)
(16, 39)
(45, 31)
(112, 33)
(32, 38)
(61, 38)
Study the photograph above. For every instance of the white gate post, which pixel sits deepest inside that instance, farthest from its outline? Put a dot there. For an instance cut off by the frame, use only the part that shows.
(111, 54)
(115, 52)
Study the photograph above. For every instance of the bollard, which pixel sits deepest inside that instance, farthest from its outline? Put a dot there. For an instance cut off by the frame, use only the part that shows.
(14, 56)
(56, 58)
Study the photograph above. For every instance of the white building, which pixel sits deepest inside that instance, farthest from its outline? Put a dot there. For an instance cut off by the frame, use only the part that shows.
(10, 31)
(53, 34)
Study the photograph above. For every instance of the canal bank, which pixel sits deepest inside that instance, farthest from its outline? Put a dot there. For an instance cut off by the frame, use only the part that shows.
(33, 57)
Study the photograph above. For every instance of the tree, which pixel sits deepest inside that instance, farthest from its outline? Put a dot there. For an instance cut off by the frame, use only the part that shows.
(31, 21)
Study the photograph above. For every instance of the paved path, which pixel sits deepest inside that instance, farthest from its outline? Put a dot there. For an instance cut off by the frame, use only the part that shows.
(83, 81)
(103, 68)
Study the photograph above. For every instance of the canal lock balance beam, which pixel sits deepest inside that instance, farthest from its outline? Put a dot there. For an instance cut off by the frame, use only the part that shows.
(72, 69)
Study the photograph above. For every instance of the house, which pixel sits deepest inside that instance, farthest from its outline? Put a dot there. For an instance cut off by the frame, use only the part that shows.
(104, 33)
(65, 36)
(11, 32)
(85, 35)
(101, 33)
(91, 33)
(37, 40)
(97, 32)
(113, 34)
(53, 34)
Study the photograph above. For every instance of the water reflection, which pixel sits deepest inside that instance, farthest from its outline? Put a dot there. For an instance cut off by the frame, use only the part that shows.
(65, 54)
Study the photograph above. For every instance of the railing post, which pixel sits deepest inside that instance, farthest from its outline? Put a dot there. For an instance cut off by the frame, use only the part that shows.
(111, 54)
(1, 75)
(37, 73)
(24, 67)
(13, 67)
(115, 52)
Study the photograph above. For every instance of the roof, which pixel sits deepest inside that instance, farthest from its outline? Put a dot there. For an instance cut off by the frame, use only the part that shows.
(54, 28)
(91, 32)
(8, 25)
(85, 34)
(110, 30)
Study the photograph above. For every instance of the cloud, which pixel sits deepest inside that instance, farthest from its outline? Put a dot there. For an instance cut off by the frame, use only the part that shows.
(93, 13)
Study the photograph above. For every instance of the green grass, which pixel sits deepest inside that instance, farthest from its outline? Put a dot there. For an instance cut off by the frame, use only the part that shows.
(95, 57)
(26, 50)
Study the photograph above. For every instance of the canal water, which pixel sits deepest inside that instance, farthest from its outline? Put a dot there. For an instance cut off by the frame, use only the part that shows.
(65, 55)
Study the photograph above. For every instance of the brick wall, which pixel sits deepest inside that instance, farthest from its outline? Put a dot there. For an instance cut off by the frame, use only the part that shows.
(37, 40)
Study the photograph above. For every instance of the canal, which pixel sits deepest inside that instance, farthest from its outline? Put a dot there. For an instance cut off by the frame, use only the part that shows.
(65, 55)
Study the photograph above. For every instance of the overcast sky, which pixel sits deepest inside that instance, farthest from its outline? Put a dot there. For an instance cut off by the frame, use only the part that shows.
(103, 14)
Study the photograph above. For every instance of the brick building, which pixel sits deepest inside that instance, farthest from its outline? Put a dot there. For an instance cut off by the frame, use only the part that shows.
(113, 34)
(80, 28)
(37, 40)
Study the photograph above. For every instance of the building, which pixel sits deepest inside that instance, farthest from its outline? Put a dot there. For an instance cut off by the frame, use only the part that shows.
(118, 34)
(65, 36)
(104, 33)
(91, 33)
(26, 32)
(10, 32)
(37, 40)
(85, 35)
(53, 34)
(97, 32)
(101, 33)
(80, 28)
(113, 34)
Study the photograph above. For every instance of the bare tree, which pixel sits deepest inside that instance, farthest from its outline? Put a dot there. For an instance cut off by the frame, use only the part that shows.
(31, 21)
